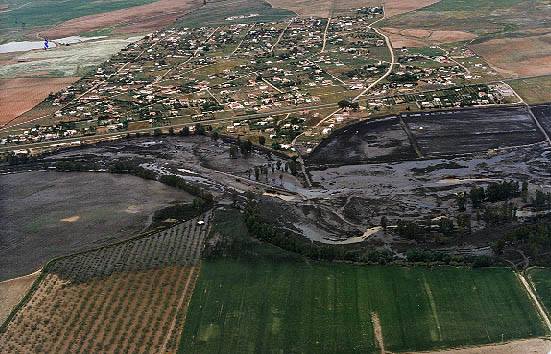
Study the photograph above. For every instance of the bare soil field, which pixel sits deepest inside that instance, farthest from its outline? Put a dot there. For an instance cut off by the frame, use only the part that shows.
(11, 292)
(21, 94)
(35, 207)
(132, 20)
(396, 7)
(526, 56)
(416, 37)
(526, 346)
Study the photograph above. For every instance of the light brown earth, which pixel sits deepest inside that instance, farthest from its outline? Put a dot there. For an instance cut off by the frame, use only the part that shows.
(12, 291)
(416, 37)
(132, 20)
(518, 57)
(396, 7)
(524, 346)
(21, 94)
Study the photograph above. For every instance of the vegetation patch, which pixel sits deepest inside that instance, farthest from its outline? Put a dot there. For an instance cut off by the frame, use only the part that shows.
(288, 306)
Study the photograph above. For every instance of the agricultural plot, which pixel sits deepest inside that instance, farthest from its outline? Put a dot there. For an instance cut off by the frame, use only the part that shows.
(376, 141)
(130, 296)
(469, 131)
(246, 307)
(543, 115)
(49, 214)
(541, 281)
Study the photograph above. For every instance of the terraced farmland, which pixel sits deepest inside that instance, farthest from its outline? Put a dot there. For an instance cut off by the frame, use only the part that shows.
(292, 307)
(129, 297)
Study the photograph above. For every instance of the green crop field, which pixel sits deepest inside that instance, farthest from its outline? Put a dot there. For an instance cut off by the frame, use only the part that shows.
(268, 307)
(541, 279)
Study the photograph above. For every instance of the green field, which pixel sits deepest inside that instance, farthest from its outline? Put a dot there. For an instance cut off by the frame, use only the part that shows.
(290, 307)
(541, 280)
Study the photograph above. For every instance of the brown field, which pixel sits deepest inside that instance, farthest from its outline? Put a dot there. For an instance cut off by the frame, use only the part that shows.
(132, 20)
(396, 7)
(416, 37)
(514, 57)
(19, 95)
(126, 312)
(12, 291)
(525, 346)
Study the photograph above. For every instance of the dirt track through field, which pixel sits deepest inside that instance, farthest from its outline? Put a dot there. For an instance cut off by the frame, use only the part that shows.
(378, 332)
(535, 300)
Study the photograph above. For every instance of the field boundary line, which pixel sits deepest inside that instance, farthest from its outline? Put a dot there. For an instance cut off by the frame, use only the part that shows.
(535, 300)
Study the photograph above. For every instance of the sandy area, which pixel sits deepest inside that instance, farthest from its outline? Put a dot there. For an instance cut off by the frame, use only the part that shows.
(396, 7)
(132, 20)
(527, 56)
(525, 346)
(21, 94)
(415, 37)
(11, 292)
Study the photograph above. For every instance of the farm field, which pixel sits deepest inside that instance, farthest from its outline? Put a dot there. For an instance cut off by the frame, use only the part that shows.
(75, 17)
(543, 115)
(13, 290)
(131, 296)
(21, 94)
(525, 56)
(246, 307)
(48, 214)
(541, 281)
(216, 13)
(471, 130)
(533, 90)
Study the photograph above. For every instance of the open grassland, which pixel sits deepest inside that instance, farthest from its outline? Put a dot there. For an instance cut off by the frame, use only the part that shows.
(137, 19)
(533, 90)
(524, 56)
(217, 12)
(127, 297)
(296, 307)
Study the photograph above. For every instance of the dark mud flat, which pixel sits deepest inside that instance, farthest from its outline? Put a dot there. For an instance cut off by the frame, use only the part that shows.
(449, 133)
(543, 114)
(382, 140)
(48, 214)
